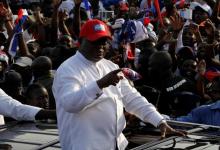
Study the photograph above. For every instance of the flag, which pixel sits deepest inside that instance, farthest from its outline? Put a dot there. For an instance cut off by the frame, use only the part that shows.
(180, 3)
(22, 17)
(131, 74)
(108, 3)
(133, 31)
(87, 8)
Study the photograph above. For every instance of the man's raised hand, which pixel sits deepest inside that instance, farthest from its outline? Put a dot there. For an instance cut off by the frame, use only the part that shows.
(112, 78)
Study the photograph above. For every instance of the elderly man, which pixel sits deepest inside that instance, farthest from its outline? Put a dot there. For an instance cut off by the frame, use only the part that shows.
(90, 94)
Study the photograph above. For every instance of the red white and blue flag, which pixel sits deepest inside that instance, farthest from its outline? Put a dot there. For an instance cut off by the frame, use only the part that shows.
(22, 17)
(131, 74)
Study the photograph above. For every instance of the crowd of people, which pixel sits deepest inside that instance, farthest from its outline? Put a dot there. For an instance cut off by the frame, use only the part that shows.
(68, 56)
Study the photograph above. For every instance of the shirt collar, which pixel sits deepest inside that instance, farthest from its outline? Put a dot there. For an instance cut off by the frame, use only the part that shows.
(84, 59)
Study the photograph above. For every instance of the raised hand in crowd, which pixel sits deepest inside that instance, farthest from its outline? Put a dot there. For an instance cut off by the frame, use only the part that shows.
(7, 16)
(63, 16)
(176, 22)
(210, 30)
(215, 15)
(194, 28)
(40, 19)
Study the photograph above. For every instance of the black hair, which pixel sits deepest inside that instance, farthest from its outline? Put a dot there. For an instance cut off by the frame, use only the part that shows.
(12, 79)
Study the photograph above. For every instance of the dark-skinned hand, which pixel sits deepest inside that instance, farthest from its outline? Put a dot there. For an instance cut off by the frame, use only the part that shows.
(167, 130)
(112, 78)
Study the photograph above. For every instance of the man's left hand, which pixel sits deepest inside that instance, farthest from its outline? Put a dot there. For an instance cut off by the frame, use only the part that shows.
(167, 130)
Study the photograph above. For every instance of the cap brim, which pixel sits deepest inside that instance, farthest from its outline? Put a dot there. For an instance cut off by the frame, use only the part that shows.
(98, 36)
(20, 64)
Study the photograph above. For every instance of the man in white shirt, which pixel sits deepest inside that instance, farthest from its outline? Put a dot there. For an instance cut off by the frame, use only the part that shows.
(90, 94)
(12, 108)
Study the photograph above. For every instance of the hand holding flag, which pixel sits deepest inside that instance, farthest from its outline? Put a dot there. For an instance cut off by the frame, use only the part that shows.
(131, 74)
(22, 17)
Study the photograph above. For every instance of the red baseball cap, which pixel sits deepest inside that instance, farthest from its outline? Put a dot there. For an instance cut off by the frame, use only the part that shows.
(124, 7)
(94, 29)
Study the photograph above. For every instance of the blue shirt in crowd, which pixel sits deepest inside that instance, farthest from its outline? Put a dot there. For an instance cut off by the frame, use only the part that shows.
(206, 114)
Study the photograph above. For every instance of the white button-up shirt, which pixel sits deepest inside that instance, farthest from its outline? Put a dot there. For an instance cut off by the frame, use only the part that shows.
(90, 118)
(13, 108)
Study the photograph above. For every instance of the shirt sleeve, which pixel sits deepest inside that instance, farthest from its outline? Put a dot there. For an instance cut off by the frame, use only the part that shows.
(13, 108)
(194, 116)
(72, 95)
(138, 105)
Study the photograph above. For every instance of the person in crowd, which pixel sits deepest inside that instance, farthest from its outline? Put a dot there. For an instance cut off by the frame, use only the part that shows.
(162, 78)
(12, 85)
(43, 74)
(59, 54)
(201, 12)
(37, 95)
(22, 65)
(12, 108)
(89, 89)
(206, 114)
(4, 61)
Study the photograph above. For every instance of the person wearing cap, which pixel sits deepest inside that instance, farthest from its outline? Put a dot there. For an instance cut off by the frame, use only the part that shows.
(201, 12)
(90, 94)
(22, 65)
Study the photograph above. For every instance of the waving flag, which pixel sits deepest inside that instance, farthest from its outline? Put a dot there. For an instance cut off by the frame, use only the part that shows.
(131, 74)
(133, 31)
(87, 7)
(22, 17)
(180, 3)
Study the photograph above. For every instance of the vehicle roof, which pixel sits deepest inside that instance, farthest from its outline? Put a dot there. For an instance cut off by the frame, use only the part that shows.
(30, 136)
(38, 135)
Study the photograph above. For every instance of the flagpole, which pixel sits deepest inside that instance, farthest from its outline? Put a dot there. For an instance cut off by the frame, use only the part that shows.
(156, 3)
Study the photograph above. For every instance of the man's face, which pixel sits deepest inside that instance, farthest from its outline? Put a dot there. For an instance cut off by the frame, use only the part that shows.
(40, 98)
(189, 68)
(96, 50)
(188, 37)
(199, 15)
